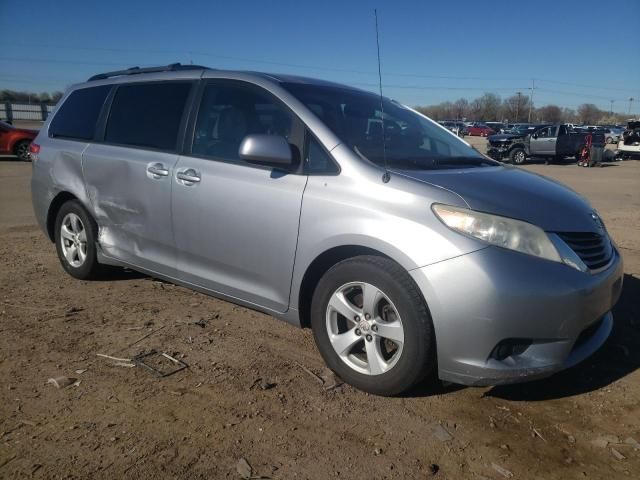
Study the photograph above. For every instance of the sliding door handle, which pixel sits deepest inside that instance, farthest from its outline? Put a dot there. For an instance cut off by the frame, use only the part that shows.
(188, 176)
(157, 170)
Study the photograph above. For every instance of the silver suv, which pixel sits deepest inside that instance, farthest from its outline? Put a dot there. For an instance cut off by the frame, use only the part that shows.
(406, 251)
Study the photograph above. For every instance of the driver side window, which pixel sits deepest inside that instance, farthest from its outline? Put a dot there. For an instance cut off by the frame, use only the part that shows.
(229, 112)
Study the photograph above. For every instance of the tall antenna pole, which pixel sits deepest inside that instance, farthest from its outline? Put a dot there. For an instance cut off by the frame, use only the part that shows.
(630, 102)
(611, 110)
(533, 87)
(385, 177)
(518, 108)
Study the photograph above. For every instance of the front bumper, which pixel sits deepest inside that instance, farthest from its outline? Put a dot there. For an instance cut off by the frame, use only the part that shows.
(479, 301)
(498, 153)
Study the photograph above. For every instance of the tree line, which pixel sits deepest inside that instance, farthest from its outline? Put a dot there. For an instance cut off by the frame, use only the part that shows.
(488, 107)
(29, 97)
(518, 109)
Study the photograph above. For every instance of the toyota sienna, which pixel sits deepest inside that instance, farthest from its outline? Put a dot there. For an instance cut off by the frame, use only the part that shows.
(406, 251)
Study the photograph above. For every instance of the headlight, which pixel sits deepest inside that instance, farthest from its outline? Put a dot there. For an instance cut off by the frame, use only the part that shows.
(500, 231)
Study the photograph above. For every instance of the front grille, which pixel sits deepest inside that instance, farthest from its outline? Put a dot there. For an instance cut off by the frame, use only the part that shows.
(593, 249)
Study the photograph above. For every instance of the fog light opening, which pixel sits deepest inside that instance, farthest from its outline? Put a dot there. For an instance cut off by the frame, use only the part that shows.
(510, 347)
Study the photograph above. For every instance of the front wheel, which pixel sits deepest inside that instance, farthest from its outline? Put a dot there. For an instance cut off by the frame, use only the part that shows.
(372, 326)
(517, 156)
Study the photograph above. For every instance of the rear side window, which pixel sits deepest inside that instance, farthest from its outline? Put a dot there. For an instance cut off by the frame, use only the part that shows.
(147, 115)
(77, 116)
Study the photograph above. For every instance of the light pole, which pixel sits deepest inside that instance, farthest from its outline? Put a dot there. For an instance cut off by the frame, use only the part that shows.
(533, 87)
(611, 111)
(518, 107)
(630, 102)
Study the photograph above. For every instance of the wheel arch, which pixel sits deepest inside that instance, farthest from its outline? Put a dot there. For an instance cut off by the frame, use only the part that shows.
(18, 141)
(54, 207)
(320, 265)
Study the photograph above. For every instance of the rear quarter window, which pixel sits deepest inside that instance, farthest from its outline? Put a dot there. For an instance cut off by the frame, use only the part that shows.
(77, 117)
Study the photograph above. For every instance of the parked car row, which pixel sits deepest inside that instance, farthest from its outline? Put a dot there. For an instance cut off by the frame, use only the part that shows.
(459, 128)
(612, 133)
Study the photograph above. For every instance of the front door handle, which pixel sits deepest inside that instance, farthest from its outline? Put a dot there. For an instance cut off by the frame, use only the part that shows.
(188, 176)
(157, 170)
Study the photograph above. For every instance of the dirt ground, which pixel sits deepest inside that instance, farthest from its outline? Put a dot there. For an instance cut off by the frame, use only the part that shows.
(256, 388)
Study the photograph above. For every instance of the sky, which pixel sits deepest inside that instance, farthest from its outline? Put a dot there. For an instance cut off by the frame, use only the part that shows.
(572, 51)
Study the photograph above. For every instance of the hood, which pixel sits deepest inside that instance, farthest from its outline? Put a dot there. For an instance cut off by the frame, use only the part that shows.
(515, 193)
(503, 137)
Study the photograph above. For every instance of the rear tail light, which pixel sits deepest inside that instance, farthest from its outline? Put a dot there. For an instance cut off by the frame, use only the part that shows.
(34, 150)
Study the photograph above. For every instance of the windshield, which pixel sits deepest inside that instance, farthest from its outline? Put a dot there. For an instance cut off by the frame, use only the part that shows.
(410, 140)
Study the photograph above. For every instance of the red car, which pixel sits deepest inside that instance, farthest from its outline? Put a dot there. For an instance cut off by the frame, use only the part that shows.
(480, 130)
(15, 141)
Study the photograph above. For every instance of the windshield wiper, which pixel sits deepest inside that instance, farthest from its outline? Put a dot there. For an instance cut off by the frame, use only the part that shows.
(466, 161)
(436, 163)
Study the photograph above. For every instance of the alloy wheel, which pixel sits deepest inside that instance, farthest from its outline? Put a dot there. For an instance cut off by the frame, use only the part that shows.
(73, 240)
(364, 328)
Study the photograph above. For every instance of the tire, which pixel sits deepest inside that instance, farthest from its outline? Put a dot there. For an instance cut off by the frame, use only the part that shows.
(608, 156)
(517, 156)
(81, 233)
(398, 305)
(21, 150)
(609, 140)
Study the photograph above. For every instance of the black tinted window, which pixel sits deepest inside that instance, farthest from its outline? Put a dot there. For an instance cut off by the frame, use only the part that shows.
(78, 115)
(147, 115)
(230, 112)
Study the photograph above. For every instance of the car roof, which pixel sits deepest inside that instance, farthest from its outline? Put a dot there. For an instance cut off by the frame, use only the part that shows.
(178, 71)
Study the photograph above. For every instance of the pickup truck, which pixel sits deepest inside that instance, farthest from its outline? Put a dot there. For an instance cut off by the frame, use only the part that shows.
(550, 142)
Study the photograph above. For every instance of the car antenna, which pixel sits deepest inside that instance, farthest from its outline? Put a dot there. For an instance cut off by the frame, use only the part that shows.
(385, 177)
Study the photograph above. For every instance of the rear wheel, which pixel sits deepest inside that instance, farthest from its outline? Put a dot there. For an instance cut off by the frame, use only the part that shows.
(76, 235)
(21, 150)
(517, 156)
(372, 326)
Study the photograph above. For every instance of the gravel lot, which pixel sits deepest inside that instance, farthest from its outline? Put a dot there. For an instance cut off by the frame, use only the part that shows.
(257, 389)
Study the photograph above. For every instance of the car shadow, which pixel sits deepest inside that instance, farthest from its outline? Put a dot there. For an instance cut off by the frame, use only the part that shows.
(617, 358)
(114, 274)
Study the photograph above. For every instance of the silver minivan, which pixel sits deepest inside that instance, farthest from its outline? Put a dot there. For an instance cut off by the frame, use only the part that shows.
(407, 252)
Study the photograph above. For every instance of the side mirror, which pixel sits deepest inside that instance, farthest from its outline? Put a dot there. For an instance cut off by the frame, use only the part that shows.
(264, 149)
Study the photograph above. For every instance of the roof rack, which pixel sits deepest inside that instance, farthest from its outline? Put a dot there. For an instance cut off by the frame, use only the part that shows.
(172, 67)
